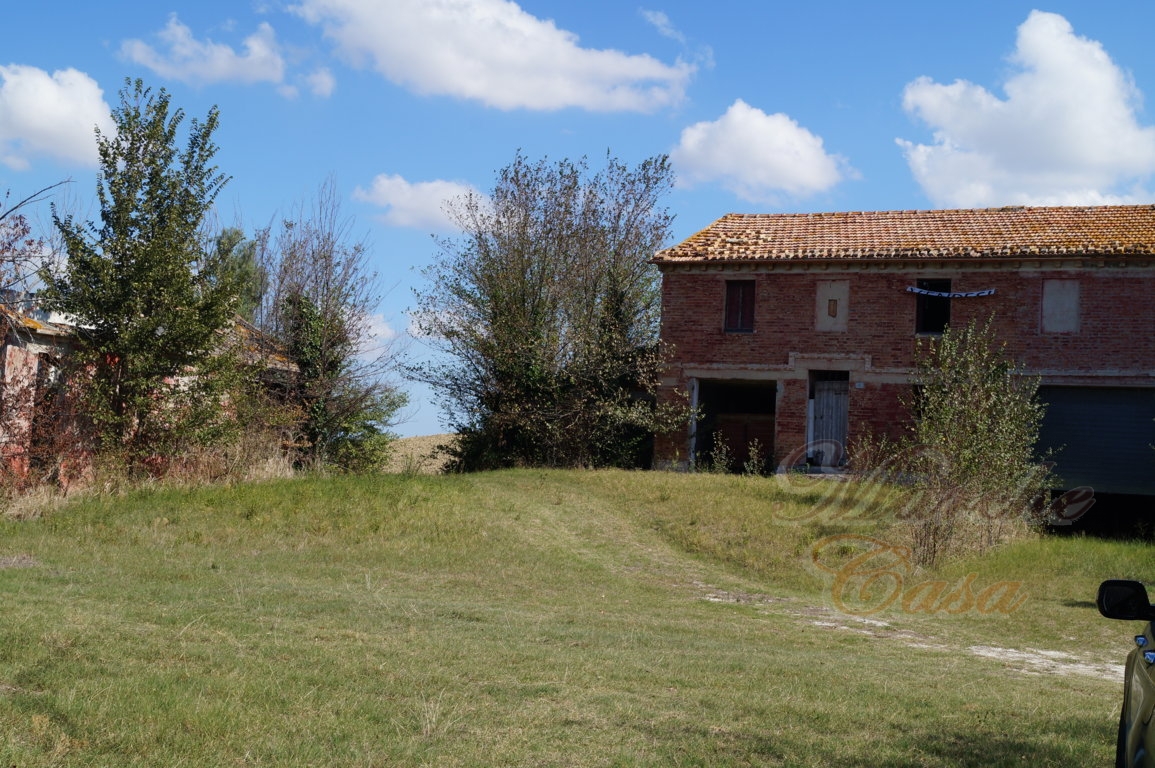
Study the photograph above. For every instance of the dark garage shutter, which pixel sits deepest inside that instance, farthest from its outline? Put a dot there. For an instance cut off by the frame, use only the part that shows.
(1101, 437)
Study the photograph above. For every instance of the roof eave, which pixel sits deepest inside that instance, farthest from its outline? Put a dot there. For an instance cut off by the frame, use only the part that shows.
(660, 261)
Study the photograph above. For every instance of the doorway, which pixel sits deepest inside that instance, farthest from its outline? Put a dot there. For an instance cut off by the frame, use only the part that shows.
(828, 418)
(739, 414)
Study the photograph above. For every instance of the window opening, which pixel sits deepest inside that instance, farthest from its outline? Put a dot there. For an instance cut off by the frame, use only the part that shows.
(739, 306)
(932, 313)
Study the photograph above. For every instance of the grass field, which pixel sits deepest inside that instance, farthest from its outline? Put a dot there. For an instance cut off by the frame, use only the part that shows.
(534, 618)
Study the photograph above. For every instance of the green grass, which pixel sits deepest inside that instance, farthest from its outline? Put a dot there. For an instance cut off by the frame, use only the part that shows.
(526, 618)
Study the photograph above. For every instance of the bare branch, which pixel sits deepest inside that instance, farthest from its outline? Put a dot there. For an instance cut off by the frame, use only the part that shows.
(35, 197)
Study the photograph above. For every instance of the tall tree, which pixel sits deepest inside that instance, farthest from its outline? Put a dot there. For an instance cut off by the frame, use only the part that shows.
(547, 311)
(148, 292)
(319, 304)
(241, 265)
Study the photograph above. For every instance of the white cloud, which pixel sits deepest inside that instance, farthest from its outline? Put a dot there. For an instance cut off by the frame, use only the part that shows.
(434, 325)
(420, 205)
(758, 157)
(379, 328)
(661, 22)
(379, 337)
(493, 52)
(189, 60)
(322, 83)
(50, 115)
(1065, 133)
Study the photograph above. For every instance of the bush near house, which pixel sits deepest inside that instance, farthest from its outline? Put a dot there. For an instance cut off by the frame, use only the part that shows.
(972, 447)
(546, 310)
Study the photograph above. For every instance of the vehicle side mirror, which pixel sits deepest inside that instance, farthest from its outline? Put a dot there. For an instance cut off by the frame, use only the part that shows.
(1127, 600)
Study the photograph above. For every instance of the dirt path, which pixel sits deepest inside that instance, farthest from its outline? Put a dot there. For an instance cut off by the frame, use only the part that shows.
(1025, 661)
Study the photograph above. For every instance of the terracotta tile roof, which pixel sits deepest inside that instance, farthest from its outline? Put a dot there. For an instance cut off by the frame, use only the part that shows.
(21, 322)
(871, 235)
(257, 347)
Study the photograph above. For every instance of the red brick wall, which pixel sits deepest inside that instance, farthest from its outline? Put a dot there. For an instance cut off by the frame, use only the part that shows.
(1117, 318)
(1116, 333)
(877, 411)
(790, 418)
(784, 319)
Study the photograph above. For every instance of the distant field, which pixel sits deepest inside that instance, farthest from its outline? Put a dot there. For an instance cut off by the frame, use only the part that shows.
(417, 454)
(538, 618)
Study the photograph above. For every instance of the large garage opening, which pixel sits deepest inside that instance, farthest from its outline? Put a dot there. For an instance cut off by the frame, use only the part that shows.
(1101, 437)
(1115, 516)
(738, 414)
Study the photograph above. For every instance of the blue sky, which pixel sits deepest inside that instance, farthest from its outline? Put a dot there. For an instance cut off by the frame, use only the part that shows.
(762, 106)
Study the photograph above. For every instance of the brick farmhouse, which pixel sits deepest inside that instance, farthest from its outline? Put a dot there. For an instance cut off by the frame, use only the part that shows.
(800, 330)
(34, 347)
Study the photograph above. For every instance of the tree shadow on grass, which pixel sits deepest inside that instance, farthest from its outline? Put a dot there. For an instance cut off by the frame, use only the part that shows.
(1065, 742)
(1085, 741)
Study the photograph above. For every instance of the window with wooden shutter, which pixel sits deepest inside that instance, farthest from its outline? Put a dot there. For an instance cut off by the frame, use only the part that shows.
(739, 306)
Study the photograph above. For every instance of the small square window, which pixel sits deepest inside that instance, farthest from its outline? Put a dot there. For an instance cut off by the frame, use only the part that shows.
(932, 313)
(739, 306)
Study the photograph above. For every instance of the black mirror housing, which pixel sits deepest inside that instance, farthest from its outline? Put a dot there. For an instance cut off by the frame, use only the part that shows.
(1126, 600)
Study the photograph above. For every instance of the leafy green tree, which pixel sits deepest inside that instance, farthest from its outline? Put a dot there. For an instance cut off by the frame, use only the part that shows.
(241, 267)
(318, 305)
(546, 312)
(149, 296)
